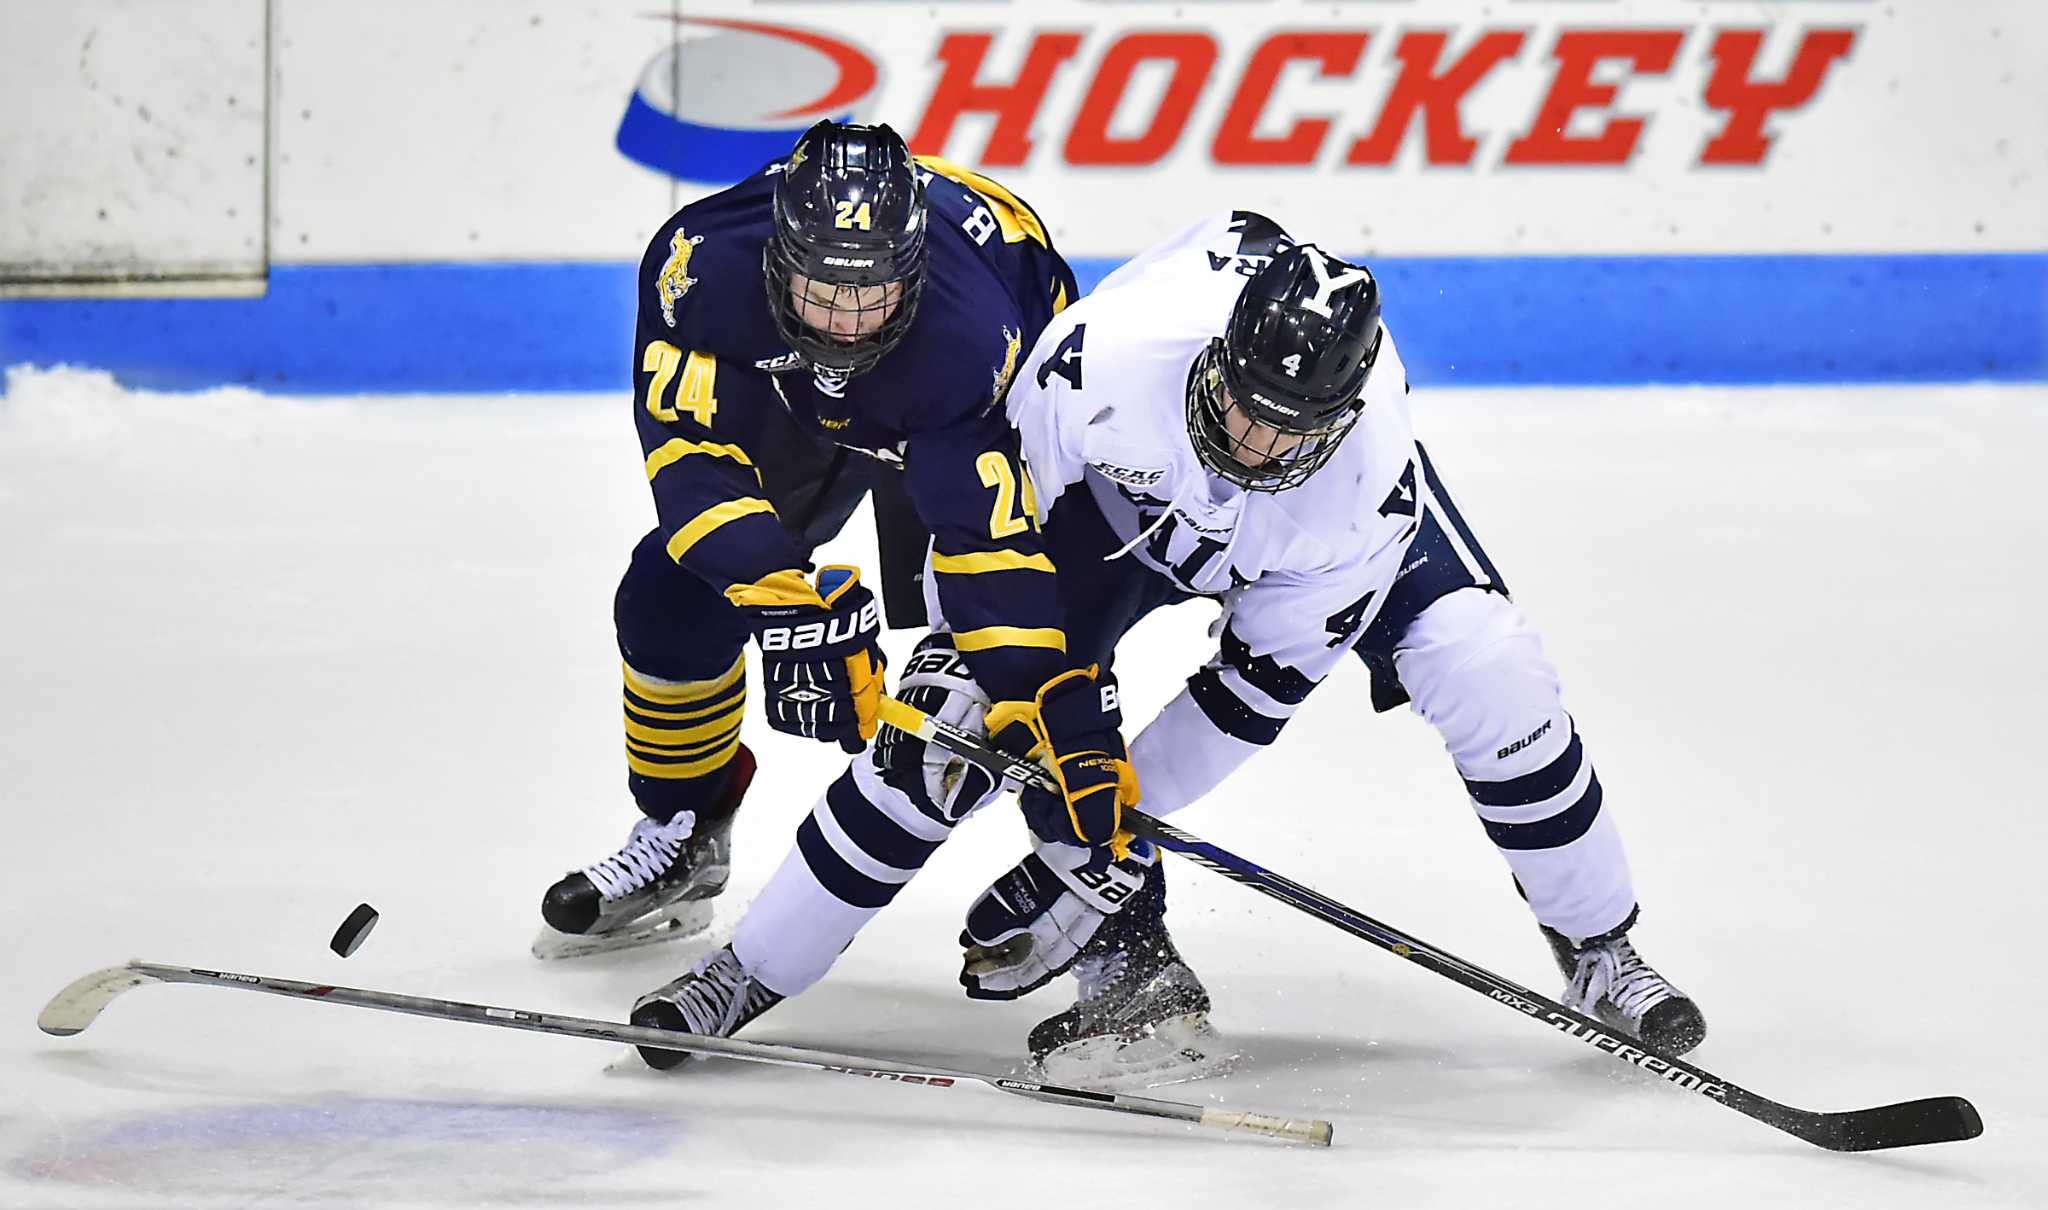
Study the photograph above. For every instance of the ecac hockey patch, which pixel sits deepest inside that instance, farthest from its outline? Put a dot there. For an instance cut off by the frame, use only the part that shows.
(1128, 475)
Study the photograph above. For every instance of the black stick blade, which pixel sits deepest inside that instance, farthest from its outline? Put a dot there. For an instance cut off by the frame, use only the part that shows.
(1907, 1124)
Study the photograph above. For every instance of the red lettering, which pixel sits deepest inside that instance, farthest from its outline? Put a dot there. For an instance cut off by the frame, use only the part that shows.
(1191, 54)
(1334, 54)
(1750, 102)
(1577, 53)
(1438, 95)
(961, 90)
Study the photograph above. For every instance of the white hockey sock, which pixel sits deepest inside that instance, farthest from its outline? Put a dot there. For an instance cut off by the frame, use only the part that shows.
(857, 848)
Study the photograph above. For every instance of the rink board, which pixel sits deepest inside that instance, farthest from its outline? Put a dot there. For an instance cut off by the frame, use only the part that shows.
(1461, 321)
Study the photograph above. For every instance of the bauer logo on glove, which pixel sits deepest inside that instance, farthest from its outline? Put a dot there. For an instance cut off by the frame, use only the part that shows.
(820, 653)
(822, 633)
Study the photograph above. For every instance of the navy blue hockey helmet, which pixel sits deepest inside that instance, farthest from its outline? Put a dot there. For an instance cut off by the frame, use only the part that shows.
(1269, 401)
(845, 262)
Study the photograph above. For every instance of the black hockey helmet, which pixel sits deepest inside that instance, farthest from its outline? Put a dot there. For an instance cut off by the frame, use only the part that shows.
(1300, 344)
(845, 262)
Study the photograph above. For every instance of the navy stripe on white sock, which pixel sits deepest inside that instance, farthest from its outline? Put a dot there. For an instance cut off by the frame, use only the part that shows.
(836, 874)
(1553, 831)
(1548, 782)
(1229, 713)
(869, 827)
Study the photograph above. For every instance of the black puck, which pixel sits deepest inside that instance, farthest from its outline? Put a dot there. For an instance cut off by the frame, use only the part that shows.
(349, 937)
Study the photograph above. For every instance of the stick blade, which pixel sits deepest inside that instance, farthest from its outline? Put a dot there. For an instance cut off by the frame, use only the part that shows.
(1907, 1124)
(80, 1004)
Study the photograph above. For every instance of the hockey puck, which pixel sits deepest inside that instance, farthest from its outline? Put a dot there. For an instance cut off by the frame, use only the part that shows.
(349, 937)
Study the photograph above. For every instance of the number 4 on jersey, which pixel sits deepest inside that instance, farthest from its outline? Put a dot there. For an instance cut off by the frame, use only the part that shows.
(1401, 501)
(1347, 620)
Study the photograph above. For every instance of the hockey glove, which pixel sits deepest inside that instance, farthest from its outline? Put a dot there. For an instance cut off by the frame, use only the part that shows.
(821, 660)
(1071, 728)
(936, 681)
(1031, 925)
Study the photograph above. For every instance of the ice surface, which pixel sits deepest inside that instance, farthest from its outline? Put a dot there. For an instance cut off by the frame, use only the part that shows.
(264, 659)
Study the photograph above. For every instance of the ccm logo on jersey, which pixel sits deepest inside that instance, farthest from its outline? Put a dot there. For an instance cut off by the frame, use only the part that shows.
(819, 634)
(1129, 475)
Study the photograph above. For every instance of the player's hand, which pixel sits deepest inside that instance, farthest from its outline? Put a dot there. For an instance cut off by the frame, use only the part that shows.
(1072, 728)
(936, 680)
(821, 660)
(1031, 925)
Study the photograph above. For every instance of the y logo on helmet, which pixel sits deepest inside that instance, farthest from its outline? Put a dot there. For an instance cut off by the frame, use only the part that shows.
(1327, 285)
(728, 96)
(675, 280)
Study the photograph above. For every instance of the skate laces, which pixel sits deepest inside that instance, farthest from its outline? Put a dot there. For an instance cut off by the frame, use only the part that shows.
(1614, 970)
(714, 995)
(1099, 976)
(647, 855)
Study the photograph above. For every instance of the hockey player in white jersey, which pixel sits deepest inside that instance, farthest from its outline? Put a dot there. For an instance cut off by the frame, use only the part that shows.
(1223, 417)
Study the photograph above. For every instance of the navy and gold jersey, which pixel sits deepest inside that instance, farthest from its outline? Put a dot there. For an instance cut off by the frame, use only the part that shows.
(718, 397)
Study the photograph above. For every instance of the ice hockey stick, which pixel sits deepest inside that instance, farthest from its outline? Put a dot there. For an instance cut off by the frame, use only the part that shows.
(70, 1011)
(1907, 1124)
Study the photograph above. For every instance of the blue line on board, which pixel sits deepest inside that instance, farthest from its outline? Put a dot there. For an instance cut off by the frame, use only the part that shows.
(481, 327)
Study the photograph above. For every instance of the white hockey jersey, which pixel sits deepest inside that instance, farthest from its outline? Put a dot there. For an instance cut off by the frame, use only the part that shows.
(1101, 402)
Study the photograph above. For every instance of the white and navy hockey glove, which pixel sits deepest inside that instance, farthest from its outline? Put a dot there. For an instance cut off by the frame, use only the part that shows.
(1030, 926)
(936, 681)
(821, 659)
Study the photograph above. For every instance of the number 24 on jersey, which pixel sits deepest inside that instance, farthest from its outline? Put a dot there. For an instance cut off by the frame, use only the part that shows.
(694, 395)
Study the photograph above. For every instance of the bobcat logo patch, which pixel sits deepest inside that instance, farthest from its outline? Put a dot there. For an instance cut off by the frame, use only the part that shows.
(1013, 345)
(675, 280)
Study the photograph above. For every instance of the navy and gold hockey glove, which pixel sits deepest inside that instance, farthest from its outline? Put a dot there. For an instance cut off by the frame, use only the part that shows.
(1072, 728)
(820, 658)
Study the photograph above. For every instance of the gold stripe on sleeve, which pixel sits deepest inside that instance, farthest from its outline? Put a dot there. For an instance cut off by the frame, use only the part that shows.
(1010, 636)
(700, 526)
(675, 449)
(978, 562)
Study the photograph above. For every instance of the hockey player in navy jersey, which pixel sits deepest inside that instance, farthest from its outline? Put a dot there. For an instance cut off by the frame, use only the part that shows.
(846, 317)
(1225, 417)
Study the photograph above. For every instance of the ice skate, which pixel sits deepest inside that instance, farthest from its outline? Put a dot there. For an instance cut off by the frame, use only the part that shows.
(659, 886)
(1141, 1018)
(1607, 980)
(716, 998)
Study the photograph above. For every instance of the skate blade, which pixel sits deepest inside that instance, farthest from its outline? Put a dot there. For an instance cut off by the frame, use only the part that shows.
(681, 921)
(1174, 1051)
(628, 1065)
